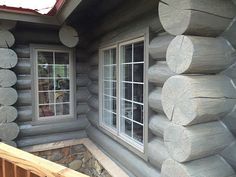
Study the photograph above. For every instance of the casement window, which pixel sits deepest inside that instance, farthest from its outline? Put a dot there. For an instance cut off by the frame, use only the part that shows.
(122, 84)
(54, 93)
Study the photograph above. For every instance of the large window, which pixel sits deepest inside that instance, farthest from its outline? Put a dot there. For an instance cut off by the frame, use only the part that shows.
(122, 109)
(54, 89)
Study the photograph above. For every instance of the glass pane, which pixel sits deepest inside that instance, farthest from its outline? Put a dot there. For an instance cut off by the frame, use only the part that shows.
(45, 71)
(61, 58)
(126, 91)
(107, 60)
(138, 72)
(46, 111)
(138, 132)
(126, 126)
(127, 54)
(45, 58)
(138, 52)
(113, 56)
(138, 93)
(46, 97)
(62, 109)
(62, 84)
(62, 71)
(62, 97)
(138, 113)
(110, 103)
(45, 84)
(109, 119)
(126, 109)
(109, 73)
(110, 88)
(126, 72)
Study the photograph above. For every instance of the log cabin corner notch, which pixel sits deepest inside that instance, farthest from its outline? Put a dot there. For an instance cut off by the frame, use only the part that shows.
(153, 88)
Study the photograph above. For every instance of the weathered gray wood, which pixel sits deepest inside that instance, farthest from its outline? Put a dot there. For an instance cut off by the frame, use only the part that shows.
(82, 108)
(93, 102)
(11, 143)
(230, 32)
(93, 117)
(229, 154)
(94, 60)
(7, 114)
(8, 58)
(157, 152)
(131, 161)
(158, 46)
(24, 98)
(154, 100)
(82, 94)
(199, 55)
(9, 131)
(23, 82)
(23, 51)
(44, 139)
(46, 129)
(7, 24)
(231, 71)
(82, 80)
(200, 18)
(25, 114)
(158, 124)
(6, 38)
(93, 88)
(23, 66)
(93, 74)
(68, 36)
(8, 96)
(159, 73)
(7, 78)
(208, 167)
(82, 68)
(230, 121)
(198, 141)
(189, 100)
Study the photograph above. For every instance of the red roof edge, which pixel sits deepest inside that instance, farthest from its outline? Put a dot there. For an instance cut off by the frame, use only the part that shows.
(56, 7)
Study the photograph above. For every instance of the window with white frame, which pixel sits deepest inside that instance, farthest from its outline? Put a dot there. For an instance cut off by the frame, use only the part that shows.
(53, 83)
(122, 91)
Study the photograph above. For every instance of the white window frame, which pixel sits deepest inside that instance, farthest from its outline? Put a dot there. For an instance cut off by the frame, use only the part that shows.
(51, 48)
(116, 133)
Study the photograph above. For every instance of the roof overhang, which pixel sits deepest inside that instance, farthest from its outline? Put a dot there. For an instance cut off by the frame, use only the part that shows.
(26, 16)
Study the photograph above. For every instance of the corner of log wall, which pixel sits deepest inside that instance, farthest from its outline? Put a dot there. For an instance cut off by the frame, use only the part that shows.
(191, 95)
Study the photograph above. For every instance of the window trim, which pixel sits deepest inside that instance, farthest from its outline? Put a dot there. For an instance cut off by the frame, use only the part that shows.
(34, 48)
(117, 134)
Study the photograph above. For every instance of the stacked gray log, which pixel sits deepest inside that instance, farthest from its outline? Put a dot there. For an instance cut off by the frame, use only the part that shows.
(93, 101)
(8, 95)
(158, 73)
(193, 102)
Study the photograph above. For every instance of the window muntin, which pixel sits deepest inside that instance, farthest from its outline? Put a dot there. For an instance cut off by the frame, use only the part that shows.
(123, 90)
(54, 84)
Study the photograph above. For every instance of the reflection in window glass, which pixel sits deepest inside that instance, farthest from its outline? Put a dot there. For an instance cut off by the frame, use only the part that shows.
(53, 84)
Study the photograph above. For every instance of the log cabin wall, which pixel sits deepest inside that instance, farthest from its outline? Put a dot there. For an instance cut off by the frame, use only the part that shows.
(31, 133)
(200, 83)
(200, 96)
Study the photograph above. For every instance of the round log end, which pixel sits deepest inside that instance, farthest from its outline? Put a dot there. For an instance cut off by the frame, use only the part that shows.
(8, 96)
(9, 131)
(176, 102)
(177, 142)
(179, 54)
(7, 38)
(8, 58)
(174, 20)
(8, 114)
(68, 36)
(171, 168)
